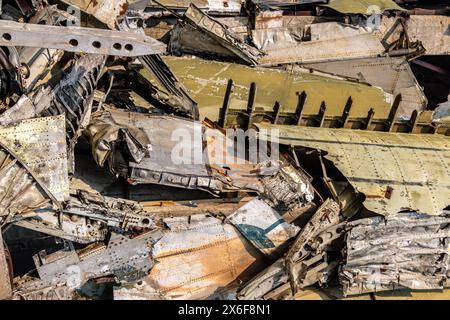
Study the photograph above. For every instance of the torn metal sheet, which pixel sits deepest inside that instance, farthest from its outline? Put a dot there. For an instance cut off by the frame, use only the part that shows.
(362, 45)
(207, 82)
(21, 192)
(280, 4)
(210, 6)
(79, 39)
(364, 7)
(86, 217)
(393, 75)
(394, 171)
(5, 277)
(37, 63)
(128, 259)
(407, 250)
(183, 266)
(431, 30)
(217, 31)
(178, 97)
(72, 96)
(106, 11)
(40, 145)
(262, 226)
(186, 154)
(442, 113)
(306, 262)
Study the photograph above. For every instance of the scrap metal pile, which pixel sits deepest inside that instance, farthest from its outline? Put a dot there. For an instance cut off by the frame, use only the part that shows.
(223, 149)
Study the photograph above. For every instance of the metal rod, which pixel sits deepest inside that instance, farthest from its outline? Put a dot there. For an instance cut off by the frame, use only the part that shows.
(393, 114)
(251, 104)
(226, 104)
(369, 119)
(276, 112)
(301, 101)
(346, 113)
(413, 121)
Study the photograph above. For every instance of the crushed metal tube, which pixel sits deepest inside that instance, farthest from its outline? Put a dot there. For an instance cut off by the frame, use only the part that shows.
(224, 150)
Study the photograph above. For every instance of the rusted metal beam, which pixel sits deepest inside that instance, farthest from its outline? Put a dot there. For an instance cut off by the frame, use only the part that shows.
(226, 104)
(78, 39)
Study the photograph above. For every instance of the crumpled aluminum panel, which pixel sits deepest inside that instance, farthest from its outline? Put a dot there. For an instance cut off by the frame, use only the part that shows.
(393, 75)
(408, 250)
(41, 145)
(5, 281)
(395, 171)
(363, 45)
(218, 32)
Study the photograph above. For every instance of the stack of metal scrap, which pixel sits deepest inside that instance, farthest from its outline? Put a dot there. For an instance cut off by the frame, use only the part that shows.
(161, 150)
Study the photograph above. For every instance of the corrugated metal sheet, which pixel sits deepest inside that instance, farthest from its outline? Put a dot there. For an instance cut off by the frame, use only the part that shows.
(395, 171)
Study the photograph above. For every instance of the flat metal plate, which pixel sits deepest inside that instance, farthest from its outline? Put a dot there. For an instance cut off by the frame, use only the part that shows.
(415, 166)
(41, 145)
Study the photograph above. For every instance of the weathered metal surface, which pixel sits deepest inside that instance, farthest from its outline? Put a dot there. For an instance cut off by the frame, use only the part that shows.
(210, 6)
(178, 97)
(218, 32)
(85, 218)
(40, 145)
(432, 31)
(394, 171)
(407, 250)
(184, 268)
(186, 154)
(442, 113)
(362, 6)
(207, 81)
(262, 226)
(363, 45)
(285, 187)
(72, 96)
(393, 75)
(79, 39)
(306, 262)
(128, 259)
(106, 11)
(5, 279)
